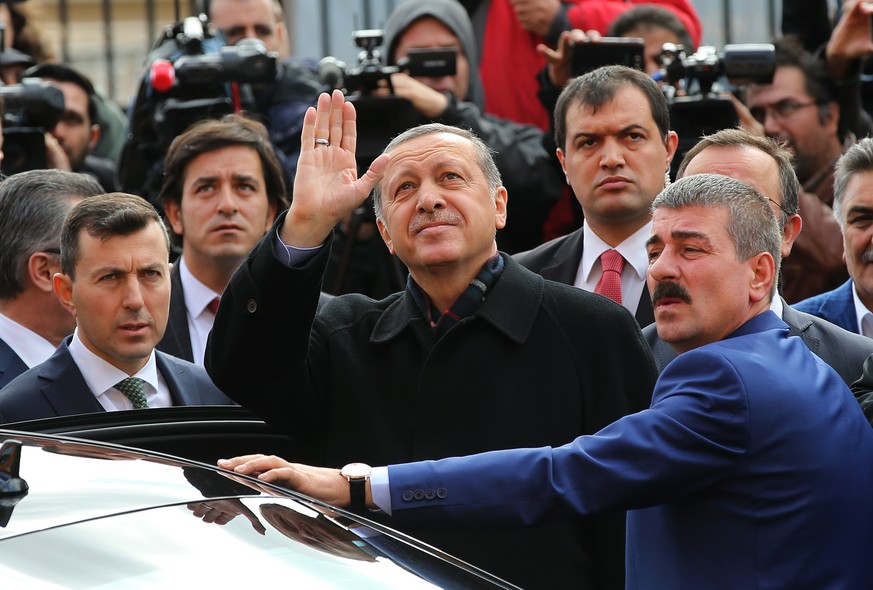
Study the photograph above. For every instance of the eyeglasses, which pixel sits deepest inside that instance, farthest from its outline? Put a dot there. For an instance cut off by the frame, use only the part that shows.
(780, 110)
(52, 250)
(780, 207)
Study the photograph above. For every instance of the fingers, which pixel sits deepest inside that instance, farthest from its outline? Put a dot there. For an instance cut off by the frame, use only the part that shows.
(335, 118)
(252, 464)
(349, 127)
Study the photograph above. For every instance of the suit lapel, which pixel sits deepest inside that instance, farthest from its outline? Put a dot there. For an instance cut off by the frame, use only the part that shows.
(11, 365)
(183, 389)
(565, 263)
(65, 389)
(177, 339)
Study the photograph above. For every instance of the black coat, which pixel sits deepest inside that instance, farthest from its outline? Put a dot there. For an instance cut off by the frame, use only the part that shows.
(538, 363)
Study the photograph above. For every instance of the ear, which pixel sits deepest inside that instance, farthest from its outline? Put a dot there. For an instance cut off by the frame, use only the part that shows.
(792, 229)
(173, 211)
(41, 266)
(63, 286)
(272, 211)
(386, 236)
(95, 137)
(671, 142)
(500, 200)
(763, 269)
(560, 153)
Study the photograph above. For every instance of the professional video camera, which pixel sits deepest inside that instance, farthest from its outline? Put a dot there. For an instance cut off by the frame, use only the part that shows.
(380, 118)
(695, 91)
(191, 75)
(30, 108)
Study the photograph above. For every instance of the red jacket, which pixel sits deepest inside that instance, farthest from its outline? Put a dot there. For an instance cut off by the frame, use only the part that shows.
(510, 62)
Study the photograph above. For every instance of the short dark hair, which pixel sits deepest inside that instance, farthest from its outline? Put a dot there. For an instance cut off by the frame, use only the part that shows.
(649, 16)
(210, 135)
(789, 185)
(104, 217)
(33, 206)
(600, 86)
(63, 73)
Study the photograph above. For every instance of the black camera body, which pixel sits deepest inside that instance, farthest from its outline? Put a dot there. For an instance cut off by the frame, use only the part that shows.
(191, 75)
(607, 51)
(30, 108)
(702, 108)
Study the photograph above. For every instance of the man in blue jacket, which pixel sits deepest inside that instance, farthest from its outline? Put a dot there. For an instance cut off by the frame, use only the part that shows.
(753, 467)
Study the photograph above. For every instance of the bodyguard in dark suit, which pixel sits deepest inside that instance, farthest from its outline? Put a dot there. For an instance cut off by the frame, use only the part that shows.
(751, 468)
(222, 189)
(612, 127)
(33, 323)
(476, 352)
(764, 164)
(115, 281)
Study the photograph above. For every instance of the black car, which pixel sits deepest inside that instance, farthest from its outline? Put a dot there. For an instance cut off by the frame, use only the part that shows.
(77, 513)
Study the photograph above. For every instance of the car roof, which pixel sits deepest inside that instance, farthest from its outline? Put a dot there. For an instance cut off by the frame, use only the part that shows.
(84, 514)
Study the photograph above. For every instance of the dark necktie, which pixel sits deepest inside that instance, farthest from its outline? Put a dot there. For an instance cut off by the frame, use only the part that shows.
(609, 284)
(134, 389)
(213, 305)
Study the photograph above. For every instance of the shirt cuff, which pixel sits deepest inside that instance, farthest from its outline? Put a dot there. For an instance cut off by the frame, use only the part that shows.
(292, 256)
(380, 490)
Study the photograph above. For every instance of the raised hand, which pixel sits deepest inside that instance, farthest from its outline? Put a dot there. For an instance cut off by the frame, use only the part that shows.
(327, 187)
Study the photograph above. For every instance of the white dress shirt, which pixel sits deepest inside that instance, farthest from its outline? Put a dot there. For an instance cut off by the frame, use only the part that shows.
(864, 315)
(30, 347)
(636, 264)
(101, 378)
(200, 319)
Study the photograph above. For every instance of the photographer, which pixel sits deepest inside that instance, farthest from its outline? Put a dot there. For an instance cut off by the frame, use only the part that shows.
(534, 183)
(69, 143)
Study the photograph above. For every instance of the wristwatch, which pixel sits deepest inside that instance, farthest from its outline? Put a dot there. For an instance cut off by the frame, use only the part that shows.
(357, 475)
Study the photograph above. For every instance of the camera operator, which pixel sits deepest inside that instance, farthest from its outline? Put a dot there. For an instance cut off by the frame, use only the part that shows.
(282, 103)
(534, 183)
(69, 143)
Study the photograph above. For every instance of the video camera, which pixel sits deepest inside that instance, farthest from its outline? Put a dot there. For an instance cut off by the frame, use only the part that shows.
(698, 105)
(30, 108)
(380, 118)
(191, 75)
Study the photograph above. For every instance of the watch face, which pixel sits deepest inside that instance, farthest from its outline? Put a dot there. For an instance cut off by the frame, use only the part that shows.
(356, 470)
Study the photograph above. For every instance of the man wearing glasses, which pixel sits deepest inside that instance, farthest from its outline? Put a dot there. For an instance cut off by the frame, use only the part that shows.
(32, 209)
(801, 107)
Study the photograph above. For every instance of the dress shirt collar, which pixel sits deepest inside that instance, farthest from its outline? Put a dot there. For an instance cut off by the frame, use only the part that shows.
(30, 347)
(776, 305)
(632, 249)
(865, 317)
(197, 295)
(100, 376)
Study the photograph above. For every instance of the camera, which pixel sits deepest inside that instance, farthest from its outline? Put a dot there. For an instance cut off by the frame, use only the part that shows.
(607, 51)
(30, 108)
(695, 88)
(380, 118)
(191, 75)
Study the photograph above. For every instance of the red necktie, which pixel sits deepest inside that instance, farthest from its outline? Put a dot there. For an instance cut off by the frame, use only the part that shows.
(609, 284)
(213, 305)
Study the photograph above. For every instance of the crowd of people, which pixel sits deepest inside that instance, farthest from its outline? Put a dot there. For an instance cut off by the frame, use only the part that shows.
(578, 354)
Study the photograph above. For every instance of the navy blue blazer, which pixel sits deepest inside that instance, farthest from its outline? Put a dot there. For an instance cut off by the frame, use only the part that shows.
(11, 365)
(753, 468)
(558, 260)
(57, 388)
(837, 307)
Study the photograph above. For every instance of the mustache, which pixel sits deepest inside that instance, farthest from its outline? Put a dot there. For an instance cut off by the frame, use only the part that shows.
(867, 257)
(670, 291)
(437, 216)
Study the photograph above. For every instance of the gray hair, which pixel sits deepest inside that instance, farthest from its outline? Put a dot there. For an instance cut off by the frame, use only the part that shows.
(33, 206)
(858, 158)
(751, 222)
(483, 154)
(789, 185)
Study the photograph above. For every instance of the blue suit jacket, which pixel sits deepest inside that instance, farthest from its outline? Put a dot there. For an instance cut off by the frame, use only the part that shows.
(753, 468)
(57, 388)
(11, 365)
(837, 307)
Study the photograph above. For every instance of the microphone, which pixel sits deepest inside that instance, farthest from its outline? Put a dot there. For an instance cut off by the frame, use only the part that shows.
(331, 71)
(162, 75)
